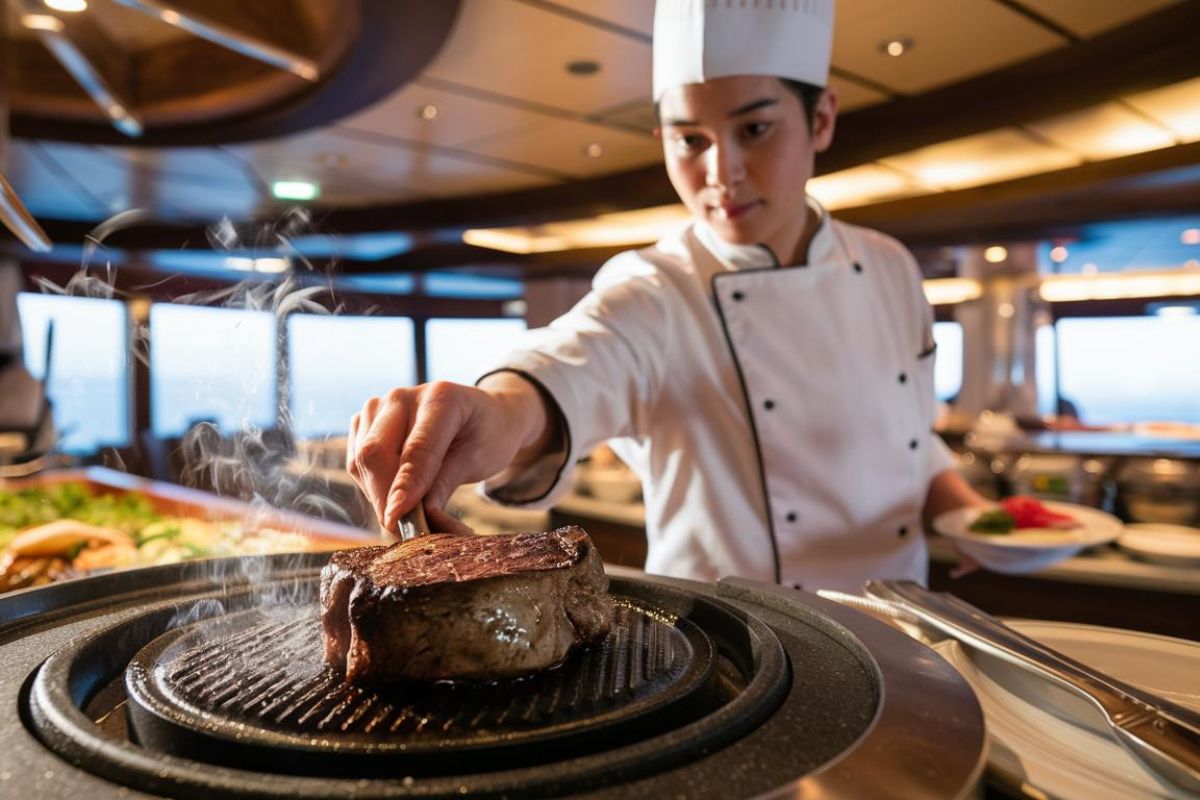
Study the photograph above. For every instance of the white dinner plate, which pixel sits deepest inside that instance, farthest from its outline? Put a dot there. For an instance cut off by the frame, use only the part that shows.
(1029, 549)
(1177, 545)
(1049, 739)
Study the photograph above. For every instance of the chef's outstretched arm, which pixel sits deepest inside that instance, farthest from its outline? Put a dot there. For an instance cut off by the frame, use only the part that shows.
(425, 441)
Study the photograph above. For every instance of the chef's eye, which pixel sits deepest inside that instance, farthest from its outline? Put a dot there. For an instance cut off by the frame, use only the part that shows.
(690, 142)
(753, 130)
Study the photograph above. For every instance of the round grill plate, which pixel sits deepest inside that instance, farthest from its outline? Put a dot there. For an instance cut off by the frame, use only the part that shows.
(243, 685)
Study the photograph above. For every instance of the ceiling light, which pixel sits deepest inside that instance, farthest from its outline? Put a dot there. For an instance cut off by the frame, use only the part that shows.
(618, 229)
(948, 291)
(1089, 268)
(295, 190)
(42, 22)
(1072, 288)
(593, 150)
(428, 112)
(857, 186)
(270, 265)
(897, 47)
(1109, 130)
(66, 6)
(998, 155)
(1005, 310)
(1058, 254)
(1177, 106)
(1175, 311)
(995, 254)
(583, 67)
(1190, 236)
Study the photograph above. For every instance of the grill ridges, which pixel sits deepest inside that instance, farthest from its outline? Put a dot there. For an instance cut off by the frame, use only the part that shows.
(271, 676)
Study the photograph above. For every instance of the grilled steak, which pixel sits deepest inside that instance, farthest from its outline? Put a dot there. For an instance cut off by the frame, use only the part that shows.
(455, 606)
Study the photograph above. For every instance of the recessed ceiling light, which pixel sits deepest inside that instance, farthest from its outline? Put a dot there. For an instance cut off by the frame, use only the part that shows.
(1190, 236)
(42, 22)
(1058, 254)
(583, 67)
(428, 112)
(995, 254)
(1006, 310)
(295, 190)
(593, 150)
(897, 47)
(67, 6)
(1175, 311)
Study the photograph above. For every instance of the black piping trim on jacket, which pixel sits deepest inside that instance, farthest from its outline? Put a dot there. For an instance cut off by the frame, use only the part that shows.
(771, 253)
(558, 413)
(762, 469)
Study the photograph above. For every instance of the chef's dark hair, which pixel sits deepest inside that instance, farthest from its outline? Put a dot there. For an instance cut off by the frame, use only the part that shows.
(808, 94)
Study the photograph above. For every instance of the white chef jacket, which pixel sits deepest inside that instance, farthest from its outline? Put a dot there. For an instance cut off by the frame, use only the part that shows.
(779, 418)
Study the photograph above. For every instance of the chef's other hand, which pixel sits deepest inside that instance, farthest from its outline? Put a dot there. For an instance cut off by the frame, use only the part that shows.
(424, 442)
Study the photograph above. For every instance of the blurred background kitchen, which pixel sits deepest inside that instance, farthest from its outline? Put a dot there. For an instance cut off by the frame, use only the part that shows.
(319, 200)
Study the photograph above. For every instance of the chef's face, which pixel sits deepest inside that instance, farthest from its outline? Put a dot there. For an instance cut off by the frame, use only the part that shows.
(739, 152)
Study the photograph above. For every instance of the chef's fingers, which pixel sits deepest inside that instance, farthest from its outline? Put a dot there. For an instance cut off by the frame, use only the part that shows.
(378, 449)
(965, 566)
(351, 435)
(437, 421)
(441, 521)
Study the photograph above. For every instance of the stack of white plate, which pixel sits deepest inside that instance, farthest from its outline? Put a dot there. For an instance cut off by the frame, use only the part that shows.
(1047, 742)
(1176, 545)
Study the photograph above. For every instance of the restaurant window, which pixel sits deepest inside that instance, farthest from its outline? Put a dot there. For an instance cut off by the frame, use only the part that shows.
(337, 363)
(1045, 358)
(461, 350)
(89, 367)
(211, 364)
(948, 368)
(1130, 369)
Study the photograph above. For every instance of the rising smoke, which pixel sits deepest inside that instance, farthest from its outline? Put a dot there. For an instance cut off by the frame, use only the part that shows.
(262, 467)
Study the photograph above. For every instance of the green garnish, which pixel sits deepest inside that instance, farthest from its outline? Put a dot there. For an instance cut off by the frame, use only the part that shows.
(994, 521)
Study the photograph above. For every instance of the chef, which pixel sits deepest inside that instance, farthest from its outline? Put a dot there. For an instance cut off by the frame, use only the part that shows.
(766, 370)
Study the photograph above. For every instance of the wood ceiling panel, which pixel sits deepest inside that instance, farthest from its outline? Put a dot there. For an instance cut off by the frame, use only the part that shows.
(521, 50)
(354, 171)
(563, 146)
(852, 96)
(636, 15)
(952, 41)
(1086, 18)
(459, 118)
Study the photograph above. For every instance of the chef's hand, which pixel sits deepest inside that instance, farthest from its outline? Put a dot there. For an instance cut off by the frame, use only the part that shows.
(424, 442)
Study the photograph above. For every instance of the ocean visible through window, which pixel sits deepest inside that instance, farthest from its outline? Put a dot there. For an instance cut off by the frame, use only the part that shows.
(89, 367)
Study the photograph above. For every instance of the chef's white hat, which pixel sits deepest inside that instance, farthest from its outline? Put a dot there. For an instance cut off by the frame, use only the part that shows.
(698, 40)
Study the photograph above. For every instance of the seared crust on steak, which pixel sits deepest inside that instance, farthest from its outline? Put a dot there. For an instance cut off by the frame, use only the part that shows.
(453, 606)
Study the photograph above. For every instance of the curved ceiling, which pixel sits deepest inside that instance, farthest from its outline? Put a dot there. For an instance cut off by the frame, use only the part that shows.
(496, 126)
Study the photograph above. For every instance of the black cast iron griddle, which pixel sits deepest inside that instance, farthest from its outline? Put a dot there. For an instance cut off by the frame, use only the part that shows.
(243, 687)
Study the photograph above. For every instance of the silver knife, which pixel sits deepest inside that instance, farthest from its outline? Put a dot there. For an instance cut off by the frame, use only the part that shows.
(1161, 734)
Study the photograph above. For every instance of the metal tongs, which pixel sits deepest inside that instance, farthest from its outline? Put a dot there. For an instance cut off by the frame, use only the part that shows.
(1161, 734)
(414, 524)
